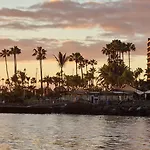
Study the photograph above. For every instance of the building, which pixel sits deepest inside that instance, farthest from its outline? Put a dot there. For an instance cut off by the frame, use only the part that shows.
(148, 60)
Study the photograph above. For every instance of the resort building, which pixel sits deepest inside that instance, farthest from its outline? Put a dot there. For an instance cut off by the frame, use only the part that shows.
(148, 60)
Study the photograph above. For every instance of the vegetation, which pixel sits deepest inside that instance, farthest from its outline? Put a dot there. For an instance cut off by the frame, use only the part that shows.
(61, 59)
(113, 74)
(40, 54)
(5, 53)
(15, 51)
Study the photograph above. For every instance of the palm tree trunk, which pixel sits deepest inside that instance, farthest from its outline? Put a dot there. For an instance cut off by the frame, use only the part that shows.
(82, 73)
(47, 84)
(123, 56)
(7, 72)
(86, 69)
(15, 64)
(129, 58)
(41, 72)
(61, 74)
(6, 68)
(76, 68)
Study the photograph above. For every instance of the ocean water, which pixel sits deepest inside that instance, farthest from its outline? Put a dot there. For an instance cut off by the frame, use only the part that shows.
(73, 132)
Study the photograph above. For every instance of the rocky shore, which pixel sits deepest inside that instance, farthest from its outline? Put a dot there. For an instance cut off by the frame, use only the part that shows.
(128, 108)
(140, 108)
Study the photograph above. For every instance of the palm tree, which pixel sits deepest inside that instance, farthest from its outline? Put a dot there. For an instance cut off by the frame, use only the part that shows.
(75, 57)
(93, 62)
(56, 81)
(123, 49)
(61, 59)
(86, 62)
(15, 51)
(81, 65)
(114, 50)
(33, 81)
(5, 53)
(130, 47)
(40, 54)
(48, 80)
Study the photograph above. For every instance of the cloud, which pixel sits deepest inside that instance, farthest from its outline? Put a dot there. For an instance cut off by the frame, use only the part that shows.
(64, 14)
(124, 17)
(128, 20)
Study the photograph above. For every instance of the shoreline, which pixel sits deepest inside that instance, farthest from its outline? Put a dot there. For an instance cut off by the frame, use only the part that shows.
(140, 108)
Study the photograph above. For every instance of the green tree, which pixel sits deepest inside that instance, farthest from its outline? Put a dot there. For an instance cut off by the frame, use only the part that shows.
(114, 74)
(40, 54)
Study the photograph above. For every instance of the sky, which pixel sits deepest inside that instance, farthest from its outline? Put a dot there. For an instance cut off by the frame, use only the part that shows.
(69, 26)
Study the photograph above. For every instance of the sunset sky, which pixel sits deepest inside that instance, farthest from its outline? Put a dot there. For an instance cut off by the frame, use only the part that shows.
(69, 26)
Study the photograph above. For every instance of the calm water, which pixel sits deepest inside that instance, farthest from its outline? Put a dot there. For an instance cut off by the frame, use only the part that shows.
(73, 132)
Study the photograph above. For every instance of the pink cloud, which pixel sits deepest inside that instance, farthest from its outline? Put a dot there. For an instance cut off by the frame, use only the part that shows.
(124, 17)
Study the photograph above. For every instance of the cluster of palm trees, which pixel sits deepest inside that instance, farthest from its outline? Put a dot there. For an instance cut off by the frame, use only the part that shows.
(117, 49)
(114, 73)
(20, 77)
(6, 53)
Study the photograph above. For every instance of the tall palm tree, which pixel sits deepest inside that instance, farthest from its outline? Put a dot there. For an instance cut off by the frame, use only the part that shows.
(5, 53)
(86, 62)
(15, 51)
(115, 51)
(61, 59)
(75, 57)
(130, 47)
(40, 54)
(81, 65)
(123, 49)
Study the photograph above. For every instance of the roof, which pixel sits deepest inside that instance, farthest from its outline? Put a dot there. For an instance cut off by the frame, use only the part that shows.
(128, 88)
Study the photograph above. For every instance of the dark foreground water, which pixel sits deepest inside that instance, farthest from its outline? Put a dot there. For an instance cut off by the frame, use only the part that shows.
(73, 132)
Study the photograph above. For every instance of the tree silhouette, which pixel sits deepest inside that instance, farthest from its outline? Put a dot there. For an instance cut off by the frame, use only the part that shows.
(5, 53)
(40, 54)
(61, 59)
(130, 47)
(75, 57)
(15, 51)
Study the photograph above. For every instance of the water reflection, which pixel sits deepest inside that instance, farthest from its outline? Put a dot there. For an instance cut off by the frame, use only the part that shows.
(72, 132)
